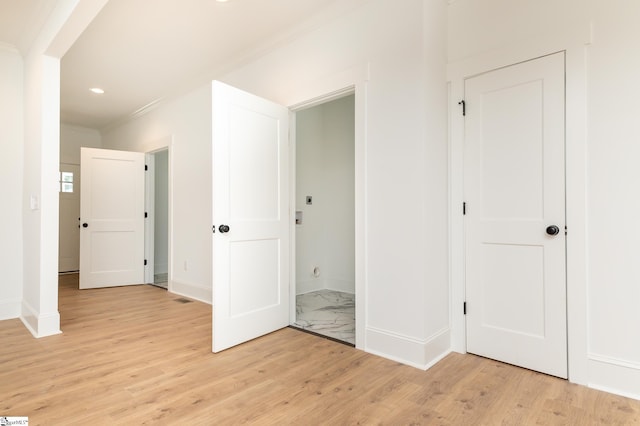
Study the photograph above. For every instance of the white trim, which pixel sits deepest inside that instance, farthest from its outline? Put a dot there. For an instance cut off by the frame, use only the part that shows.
(40, 325)
(192, 291)
(614, 375)
(149, 223)
(417, 353)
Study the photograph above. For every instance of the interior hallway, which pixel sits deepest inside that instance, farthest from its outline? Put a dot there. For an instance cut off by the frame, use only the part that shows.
(141, 355)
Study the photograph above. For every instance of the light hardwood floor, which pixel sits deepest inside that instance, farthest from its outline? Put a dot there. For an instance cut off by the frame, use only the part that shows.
(135, 355)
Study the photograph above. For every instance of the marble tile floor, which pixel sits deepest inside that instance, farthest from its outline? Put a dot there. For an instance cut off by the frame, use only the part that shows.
(329, 313)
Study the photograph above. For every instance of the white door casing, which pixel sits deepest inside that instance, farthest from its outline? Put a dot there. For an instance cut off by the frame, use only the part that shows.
(112, 207)
(251, 198)
(69, 230)
(514, 188)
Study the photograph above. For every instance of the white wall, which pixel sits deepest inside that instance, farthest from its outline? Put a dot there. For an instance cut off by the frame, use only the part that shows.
(185, 124)
(161, 214)
(395, 55)
(72, 138)
(325, 163)
(11, 170)
(602, 152)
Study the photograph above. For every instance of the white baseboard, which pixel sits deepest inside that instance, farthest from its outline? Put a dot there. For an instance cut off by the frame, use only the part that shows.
(614, 376)
(422, 354)
(192, 291)
(305, 287)
(40, 325)
(340, 285)
(10, 309)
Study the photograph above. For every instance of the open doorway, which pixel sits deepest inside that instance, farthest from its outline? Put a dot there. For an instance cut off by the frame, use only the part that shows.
(157, 210)
(325, 219)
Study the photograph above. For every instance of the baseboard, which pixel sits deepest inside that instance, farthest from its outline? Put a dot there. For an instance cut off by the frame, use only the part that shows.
(340, 285)
(40, 325)
(10, 309)
(422, 354)
(191, 291)
(614, 376)
(305, 287)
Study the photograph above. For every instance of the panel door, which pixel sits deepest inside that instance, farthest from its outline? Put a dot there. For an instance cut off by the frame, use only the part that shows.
(515, 196)
(251, 217)
(112, 218)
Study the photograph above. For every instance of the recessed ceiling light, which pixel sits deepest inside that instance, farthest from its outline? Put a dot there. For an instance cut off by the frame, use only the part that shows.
(97, 90)
(222, 1)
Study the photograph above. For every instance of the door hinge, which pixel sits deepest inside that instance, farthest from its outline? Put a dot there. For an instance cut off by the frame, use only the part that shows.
(565, 231)
(213, 228)
(146, 215)
(146, 168)
(464, 308)
(464, 107)
(464, 208)
(145, 262)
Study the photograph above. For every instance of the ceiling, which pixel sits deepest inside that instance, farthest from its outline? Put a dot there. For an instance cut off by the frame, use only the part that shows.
(143, 51)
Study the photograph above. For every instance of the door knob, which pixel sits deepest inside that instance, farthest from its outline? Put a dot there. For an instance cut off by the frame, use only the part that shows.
(223, 228)
(85, 225)
(553, 230)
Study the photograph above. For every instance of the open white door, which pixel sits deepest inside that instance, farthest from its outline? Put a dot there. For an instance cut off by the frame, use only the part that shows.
(250, 216)
(112, 218)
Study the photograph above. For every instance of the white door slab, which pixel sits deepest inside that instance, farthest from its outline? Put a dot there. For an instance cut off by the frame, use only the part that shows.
(112, 218)
(514, 190)
(251, 198)
(69, 224)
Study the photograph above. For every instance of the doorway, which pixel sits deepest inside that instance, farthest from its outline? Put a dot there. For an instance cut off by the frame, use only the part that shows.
(69, 219)
(325, 219)
(157, 218)
(161, 219)
(514, 188)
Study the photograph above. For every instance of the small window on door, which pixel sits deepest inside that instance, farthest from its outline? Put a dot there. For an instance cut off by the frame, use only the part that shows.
(66, 181)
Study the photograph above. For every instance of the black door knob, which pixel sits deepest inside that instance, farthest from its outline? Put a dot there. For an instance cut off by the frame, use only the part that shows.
(223, 228)
(553, 230)
(85, 225)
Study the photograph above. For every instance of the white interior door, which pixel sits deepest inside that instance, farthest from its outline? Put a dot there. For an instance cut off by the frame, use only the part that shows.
(112, 218)
(69, 224)
(250, 216)
(515, 194)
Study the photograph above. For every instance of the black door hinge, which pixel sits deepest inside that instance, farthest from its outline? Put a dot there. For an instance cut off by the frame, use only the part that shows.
(146, 215)
(145, 262)
(464, 308)
(464, 208)
(464, 107)
(213, 228)
(146, 167)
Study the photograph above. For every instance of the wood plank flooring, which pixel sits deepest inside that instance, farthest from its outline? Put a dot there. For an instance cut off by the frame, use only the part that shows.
(136, 356)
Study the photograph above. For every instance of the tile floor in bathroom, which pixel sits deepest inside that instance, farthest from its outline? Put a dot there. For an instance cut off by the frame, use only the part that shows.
(327, 312)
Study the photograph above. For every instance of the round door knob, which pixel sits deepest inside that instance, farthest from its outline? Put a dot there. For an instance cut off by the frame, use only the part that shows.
(553, 230)
(223, 228)
(85, 225)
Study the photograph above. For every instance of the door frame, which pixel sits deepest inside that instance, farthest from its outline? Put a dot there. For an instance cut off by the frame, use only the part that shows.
(575, 188)
(357, 89)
